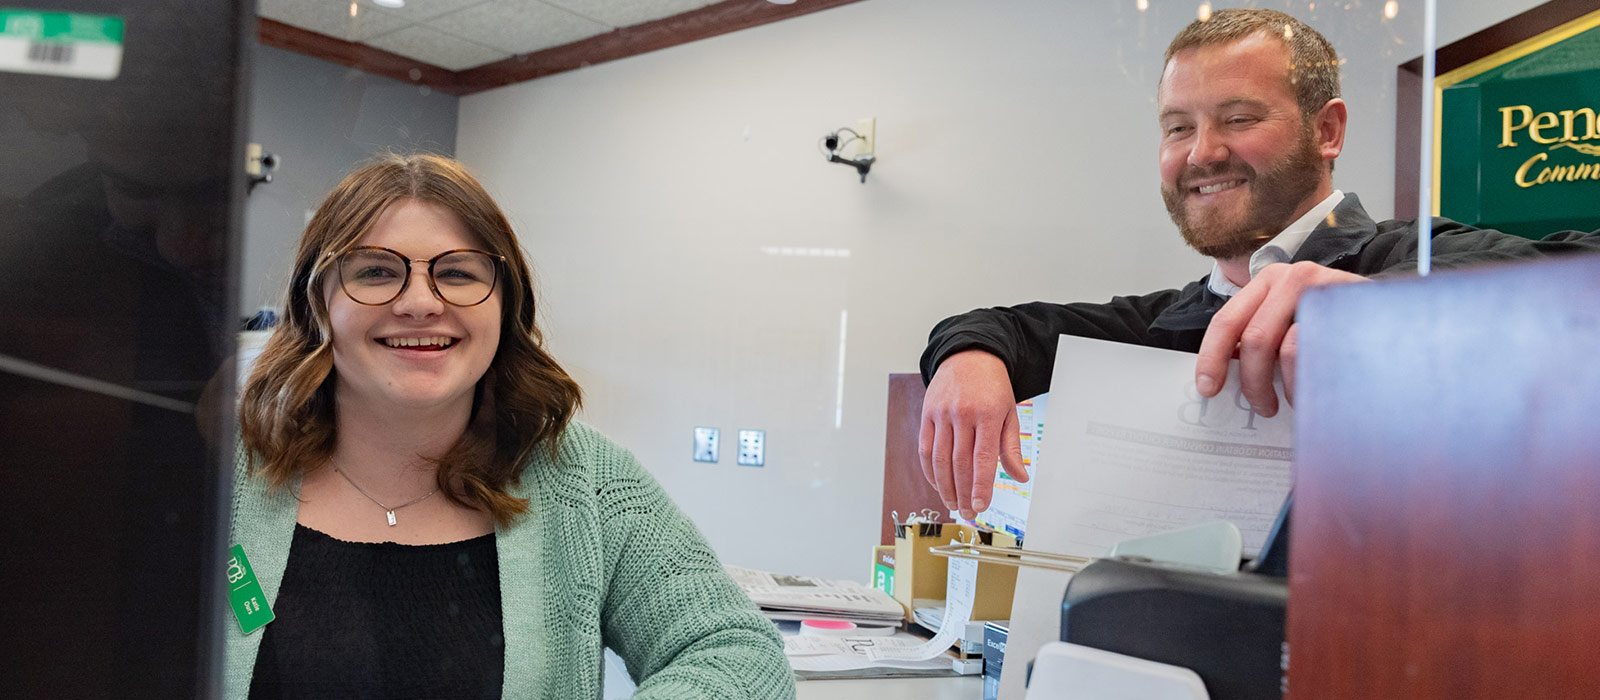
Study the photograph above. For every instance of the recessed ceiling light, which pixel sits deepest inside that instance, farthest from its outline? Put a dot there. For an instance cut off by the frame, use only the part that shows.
(781, 2)
(389, 3)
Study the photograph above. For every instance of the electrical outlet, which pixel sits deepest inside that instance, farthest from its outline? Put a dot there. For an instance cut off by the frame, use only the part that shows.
(752, 448)
(705, 444)
(867, 130)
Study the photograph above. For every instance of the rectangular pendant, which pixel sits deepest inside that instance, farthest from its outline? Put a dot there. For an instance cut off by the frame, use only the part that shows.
(391, 518)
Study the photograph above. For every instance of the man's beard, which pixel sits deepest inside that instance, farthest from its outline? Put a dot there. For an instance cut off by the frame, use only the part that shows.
(1274, 196)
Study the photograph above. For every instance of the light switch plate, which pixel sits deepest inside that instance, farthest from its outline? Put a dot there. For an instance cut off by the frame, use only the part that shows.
(752, 448)
(705, 444)
(867, 131)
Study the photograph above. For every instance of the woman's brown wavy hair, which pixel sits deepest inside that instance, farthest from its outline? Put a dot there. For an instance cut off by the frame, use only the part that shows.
(523, 402)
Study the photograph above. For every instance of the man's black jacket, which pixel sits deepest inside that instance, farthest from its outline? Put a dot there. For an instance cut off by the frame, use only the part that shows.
(1025, 336)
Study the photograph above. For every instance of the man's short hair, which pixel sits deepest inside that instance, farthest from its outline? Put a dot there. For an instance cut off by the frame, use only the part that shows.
(1313, 66)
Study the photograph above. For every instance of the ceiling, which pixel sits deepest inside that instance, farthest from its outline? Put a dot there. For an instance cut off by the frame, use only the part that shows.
(461, 34)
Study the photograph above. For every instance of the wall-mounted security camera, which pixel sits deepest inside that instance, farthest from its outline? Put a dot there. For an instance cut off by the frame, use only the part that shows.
(863, 138)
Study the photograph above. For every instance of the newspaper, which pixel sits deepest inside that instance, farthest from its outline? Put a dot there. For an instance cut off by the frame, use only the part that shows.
(786, 596)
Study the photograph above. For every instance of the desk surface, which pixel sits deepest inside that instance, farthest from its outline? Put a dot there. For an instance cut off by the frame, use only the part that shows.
(962, 688)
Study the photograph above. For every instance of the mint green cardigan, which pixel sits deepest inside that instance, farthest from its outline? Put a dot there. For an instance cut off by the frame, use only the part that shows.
(602, 559)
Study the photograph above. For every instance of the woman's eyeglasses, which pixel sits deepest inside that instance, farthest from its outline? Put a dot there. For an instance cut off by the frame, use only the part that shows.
(375, 276)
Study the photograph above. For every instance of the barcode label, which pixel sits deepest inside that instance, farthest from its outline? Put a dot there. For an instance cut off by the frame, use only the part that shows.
(60, 54)
(65, 44)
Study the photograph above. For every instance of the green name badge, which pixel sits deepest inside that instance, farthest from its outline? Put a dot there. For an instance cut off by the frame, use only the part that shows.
(244, 593)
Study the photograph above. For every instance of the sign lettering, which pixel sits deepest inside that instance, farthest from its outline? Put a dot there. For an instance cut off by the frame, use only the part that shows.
(1575, 127)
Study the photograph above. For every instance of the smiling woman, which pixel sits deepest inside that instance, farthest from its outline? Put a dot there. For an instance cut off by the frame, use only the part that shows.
(423, 205)
(422, 514)
(404, 347)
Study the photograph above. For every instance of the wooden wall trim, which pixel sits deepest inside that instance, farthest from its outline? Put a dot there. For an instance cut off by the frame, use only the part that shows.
(1408, 86)
(709, 21)
(704, 23)
(359, 56)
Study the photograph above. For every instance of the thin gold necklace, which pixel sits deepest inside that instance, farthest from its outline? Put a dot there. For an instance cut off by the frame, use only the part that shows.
(391, 511)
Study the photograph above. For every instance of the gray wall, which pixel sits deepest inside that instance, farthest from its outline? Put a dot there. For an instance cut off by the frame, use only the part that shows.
(1017, 161)
(656, 196)
(321, 119)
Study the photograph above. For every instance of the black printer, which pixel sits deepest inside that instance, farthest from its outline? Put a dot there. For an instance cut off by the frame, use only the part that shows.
(1226, 627)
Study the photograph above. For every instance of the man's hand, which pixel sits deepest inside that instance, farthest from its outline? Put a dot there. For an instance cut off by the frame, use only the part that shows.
(1259, 321)
(969, 421)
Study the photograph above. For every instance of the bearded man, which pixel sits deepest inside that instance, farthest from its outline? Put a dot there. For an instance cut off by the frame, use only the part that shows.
(1251, 123)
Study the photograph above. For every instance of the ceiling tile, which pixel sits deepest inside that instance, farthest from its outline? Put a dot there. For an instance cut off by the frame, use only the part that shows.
(415, 10)
(437, 48)
(331, 17)
(518, 26)
(625, 13)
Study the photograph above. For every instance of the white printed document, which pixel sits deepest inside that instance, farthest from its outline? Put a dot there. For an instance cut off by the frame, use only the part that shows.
(1135, 451)
(1138, 451)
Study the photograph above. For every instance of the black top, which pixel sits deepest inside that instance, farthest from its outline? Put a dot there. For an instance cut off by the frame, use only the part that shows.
(384, 620)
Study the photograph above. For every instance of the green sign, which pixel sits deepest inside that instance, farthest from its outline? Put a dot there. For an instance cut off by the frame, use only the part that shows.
(1519, 142)
(883, 578)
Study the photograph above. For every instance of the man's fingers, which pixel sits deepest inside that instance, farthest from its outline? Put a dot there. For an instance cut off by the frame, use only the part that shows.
(943, 443)
(1258, 321)
(925, 448)
(964, 412)
(1011, 450)
(1262, 340)
(1287, 355)
(1222, 336)
(1258, 359)
(985, 456)
(961, 467)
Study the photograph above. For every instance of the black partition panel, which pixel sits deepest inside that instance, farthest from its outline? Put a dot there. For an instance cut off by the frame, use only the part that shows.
(120, 187)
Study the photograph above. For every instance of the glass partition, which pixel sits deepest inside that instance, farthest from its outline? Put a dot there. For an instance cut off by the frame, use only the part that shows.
(696, 261)
(121, 155)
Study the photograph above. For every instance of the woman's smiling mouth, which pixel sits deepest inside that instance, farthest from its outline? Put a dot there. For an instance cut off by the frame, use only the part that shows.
(437, 342)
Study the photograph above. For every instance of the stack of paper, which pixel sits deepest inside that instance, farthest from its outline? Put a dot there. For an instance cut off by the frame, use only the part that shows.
(845, 657)
(820, 658)
(785, 597)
